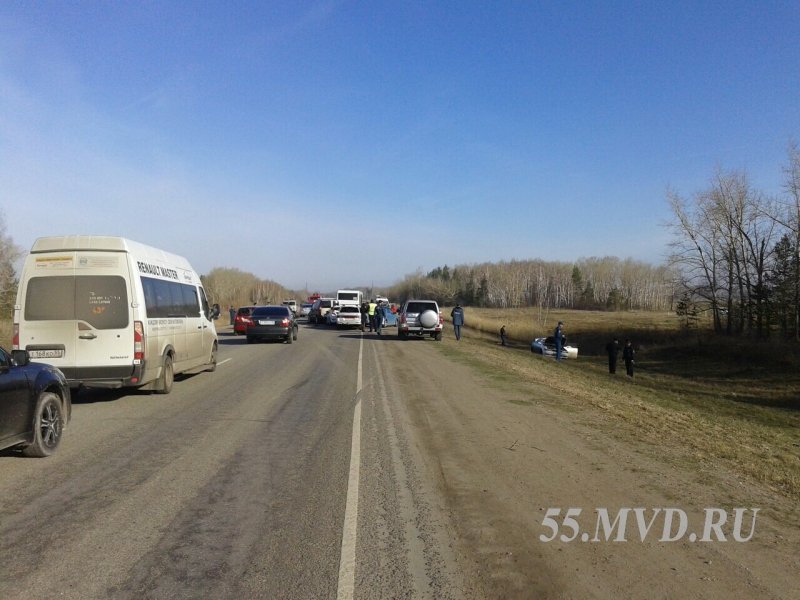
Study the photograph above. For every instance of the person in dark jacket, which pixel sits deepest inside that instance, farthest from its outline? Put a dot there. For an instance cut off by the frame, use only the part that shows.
(364, 315)
(558, 336)
(232, 313)
(503, 337)
(627, 356)
(457, 314)
(612, 348)
(378, 318)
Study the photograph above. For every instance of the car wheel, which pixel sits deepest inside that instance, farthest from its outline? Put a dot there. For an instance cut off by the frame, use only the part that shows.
(167, 376)
(212, 363)
(294, 335)
(289, 338)
(48, 425)
(438, 337)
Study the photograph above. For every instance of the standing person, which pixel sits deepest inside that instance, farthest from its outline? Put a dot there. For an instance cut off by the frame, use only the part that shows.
(627, 356)
(232, 313)
(503, 336)
(612, 348)
(558, 336)
(457, 314)
(371, 313)
(378, 318)
(364, 314)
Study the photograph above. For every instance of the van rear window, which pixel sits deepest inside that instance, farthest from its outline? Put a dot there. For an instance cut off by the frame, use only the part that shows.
(100, 300)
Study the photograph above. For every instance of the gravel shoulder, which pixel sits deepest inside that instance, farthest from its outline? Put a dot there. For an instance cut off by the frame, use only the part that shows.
(501, 451)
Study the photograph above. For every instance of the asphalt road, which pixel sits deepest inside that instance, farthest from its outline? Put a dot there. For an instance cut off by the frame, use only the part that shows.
(235, 485)
(350, 466)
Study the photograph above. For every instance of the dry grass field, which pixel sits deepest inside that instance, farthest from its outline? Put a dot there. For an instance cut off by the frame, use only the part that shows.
(727, 401)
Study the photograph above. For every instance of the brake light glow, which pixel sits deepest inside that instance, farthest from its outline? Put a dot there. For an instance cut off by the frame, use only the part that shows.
(285, 322)
(138, 340)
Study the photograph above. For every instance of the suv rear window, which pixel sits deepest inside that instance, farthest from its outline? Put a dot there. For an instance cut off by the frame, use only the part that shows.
(325, 303)
(418, 307)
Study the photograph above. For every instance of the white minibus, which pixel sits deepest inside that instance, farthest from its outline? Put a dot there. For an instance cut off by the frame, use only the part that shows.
(110, 313)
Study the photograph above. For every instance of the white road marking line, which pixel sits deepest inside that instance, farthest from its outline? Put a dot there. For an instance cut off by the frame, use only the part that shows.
(360, 349)
(224, 361)
(347, 560)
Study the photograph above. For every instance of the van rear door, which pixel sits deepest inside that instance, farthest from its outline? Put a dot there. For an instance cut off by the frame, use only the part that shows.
(47, 327)
(79, 318)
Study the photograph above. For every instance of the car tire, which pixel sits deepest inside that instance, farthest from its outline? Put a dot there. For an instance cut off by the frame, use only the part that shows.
(48, 425)
(438, 337)
(289, 338)
(167, 376)
(212, 363)
(294, 335)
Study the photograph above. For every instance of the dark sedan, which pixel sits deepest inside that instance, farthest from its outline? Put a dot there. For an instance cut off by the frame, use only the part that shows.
(272, 323)
(35, 404)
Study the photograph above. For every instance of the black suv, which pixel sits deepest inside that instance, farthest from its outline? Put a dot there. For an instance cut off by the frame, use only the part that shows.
(35, 404)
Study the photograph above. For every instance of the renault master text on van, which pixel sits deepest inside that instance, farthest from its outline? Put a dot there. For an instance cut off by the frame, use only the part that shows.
(110, 313)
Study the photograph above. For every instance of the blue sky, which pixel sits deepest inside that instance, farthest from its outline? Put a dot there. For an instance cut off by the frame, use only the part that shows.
(345, 143)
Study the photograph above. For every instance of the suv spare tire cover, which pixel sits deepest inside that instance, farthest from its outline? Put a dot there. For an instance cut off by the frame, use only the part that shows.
(429, 318)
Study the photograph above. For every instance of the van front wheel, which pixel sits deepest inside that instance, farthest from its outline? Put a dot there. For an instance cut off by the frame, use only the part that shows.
(167, 376)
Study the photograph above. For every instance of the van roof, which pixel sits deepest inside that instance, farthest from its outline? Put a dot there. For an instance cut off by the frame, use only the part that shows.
(106, 243)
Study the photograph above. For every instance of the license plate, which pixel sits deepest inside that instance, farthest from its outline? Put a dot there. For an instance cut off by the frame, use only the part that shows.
(46, 353)
(266, 322)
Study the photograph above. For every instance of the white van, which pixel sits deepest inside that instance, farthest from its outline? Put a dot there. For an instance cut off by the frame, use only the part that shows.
(351, 297)
(110, 313)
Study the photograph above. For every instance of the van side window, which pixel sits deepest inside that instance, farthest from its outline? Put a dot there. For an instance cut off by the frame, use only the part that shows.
(99, 300)
(169, 299)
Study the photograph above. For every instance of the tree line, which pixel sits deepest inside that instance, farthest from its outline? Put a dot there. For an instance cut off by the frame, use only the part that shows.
(607, 283)
(737, 251)
(232, 287)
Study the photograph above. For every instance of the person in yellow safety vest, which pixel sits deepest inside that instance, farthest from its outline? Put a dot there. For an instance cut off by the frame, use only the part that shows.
(371, 312)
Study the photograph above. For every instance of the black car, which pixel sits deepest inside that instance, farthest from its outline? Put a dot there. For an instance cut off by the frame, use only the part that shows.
(272, 323)
(35, 404)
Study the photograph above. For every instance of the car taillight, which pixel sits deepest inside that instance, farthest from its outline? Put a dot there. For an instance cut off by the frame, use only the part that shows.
(285, 322)
(138, 340)
(15, 339)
